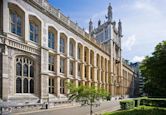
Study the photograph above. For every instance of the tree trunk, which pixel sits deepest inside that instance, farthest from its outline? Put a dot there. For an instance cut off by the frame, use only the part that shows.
(91, 112)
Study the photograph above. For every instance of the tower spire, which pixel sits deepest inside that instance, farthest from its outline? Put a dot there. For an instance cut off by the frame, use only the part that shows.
(90, 26)
(109, 12)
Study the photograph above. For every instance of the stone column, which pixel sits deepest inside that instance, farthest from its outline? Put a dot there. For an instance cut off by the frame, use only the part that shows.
(67, 67)
(44, 76)
(26, 27)
(44, 88)
(58, 86)
(58, 43)
(57, 64)
(5, 77)
(75, 53)
(76, 63)
(68, 55)
(88, 73)
(66, 89)
(82, 71)
(75, 69)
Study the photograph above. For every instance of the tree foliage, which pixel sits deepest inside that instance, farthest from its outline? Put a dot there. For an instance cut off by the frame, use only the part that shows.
(153, 69)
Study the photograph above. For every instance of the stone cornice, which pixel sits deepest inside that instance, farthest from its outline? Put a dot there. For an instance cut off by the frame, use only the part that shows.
(16, 44)
(56, 15)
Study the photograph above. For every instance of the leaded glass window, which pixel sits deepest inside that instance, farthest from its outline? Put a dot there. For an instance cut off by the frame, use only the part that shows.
(24, 75)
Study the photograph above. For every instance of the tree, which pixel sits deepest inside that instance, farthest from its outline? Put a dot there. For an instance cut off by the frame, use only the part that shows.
(86, 95)
(153, 69)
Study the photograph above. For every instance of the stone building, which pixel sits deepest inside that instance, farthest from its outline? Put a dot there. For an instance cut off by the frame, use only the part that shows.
(41, 49)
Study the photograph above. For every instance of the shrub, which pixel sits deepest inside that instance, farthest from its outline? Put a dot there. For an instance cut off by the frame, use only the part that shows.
(157, 102)
(142, 110)
(137, 102)
(127, 104)
(109, 97)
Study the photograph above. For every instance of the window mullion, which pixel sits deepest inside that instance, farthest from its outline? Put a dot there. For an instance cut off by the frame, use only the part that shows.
(22, 77)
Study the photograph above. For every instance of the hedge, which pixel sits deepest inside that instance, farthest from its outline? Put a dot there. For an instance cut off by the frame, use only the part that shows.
(157, 102)
(127, 104)
(136, 102)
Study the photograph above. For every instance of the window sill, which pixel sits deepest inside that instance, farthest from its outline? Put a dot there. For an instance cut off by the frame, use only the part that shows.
(54, 50)
(15, 35)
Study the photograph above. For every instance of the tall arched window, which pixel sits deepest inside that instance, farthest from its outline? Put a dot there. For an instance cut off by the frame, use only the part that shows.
(16, 19)
(51, 40)
(25, 70)
(18, 85)
(31, 71)
(15, 22)
(34, 32)
(24, 75)
(34, 29)
(62, 46)
(52, 37)
(18, 69)
(31, 86)
(71, 47)
(25, 85)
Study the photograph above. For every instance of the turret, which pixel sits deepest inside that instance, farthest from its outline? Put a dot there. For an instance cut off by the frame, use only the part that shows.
(109, 14)
(120, 28)
(99, 23)
(90, 26)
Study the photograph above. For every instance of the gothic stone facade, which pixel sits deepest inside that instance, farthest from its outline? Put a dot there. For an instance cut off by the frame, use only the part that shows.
(41, 49)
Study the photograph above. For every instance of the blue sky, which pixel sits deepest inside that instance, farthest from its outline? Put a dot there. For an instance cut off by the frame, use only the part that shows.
(143, 21)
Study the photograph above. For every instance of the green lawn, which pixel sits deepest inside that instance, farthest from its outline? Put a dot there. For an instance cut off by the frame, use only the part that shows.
(142, 110)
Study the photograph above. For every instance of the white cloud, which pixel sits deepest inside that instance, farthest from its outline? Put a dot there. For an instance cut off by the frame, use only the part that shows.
(146, 6)
(138, 58)
(128, 44)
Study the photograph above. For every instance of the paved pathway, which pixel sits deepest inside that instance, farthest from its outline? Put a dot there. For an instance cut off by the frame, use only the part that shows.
(76, 110)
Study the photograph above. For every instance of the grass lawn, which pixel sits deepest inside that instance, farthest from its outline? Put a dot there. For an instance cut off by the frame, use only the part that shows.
(142, 110)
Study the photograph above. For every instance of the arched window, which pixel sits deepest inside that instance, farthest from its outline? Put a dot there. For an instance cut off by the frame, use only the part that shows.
(15, 22)
(18, 85)
(25, 70)
(25, 85)
(31, 71)
(18, 69)
(52, 37)
(62, 45)
(34, 32)
(31, 86)
(34, 29)
(51, 40)
(71, 46)
(24, 75)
